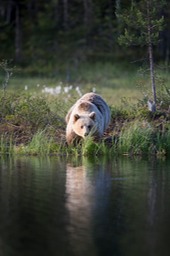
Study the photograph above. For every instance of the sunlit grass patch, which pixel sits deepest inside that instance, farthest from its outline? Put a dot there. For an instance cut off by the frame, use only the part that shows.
(39, 145)
(140, 137)
(89, 147)
(135, 138)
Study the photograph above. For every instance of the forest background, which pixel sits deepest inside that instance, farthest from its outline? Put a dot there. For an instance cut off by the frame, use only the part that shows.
(56, 36)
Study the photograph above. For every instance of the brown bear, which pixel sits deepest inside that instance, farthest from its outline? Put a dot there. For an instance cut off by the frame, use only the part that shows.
(89, 116)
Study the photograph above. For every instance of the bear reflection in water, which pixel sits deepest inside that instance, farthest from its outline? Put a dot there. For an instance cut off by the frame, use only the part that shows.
(87, 198)
(79, 190)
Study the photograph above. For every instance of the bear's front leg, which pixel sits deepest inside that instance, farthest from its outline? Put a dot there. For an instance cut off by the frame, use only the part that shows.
(72, 138)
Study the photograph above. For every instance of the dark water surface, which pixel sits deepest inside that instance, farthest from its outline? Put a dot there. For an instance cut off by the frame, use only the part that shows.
(50, 206)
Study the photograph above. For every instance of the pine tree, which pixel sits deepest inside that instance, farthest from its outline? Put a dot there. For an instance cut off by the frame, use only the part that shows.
(143, 24)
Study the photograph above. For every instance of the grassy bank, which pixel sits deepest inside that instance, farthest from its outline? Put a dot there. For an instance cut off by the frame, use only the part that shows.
(34, 124)
(33, 111)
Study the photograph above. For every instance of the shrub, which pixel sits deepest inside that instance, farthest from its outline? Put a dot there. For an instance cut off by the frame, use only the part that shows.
(32, 110)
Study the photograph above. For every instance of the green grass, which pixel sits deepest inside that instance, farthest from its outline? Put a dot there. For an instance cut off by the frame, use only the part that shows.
(6, 145)
(136, 138)
(163, 142)
(40, 144)
(112, 80)
(32, 122)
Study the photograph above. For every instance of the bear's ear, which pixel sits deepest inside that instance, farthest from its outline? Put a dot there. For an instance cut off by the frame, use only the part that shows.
(76, 117)
(92, 115)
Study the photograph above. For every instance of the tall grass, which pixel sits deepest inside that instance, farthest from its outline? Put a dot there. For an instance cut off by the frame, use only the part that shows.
(6, 145)
(93, 148)
(135, 138)
(39, 145)
(88, 147)
(163, 143)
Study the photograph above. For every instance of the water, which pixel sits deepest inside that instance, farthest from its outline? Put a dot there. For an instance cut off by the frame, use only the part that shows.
(117, 207)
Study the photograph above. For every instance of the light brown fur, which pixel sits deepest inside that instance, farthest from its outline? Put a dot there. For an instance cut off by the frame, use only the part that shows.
(89, 116)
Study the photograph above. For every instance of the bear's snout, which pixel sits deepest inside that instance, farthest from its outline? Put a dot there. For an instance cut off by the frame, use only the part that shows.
(86, 131)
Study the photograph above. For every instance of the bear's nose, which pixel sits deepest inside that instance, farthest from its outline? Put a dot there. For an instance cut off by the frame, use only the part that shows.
(86, 134)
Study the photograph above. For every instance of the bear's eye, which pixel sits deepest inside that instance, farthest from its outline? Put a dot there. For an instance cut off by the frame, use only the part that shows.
(89, 127)
(81, 127)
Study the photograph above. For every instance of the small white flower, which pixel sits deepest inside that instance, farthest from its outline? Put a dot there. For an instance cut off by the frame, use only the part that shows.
(78, 91)
(58, 89)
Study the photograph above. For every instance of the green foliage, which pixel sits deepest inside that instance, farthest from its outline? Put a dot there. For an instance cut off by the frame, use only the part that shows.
(99, 148)
(163, 142)
(39, 145)
(163, 96)
(29, 109)
(6, 145)
(135, 138)
(32, 110)
(89, 147)
(163, 93)
(6, 104)
(140, 17)
(73, 30)
(5, 66)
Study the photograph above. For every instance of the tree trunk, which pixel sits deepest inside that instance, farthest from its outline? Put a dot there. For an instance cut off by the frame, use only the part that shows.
(17, 35)
(9, 12)
(87, 13)
(65, 9)
(150, 52)
(152, 73)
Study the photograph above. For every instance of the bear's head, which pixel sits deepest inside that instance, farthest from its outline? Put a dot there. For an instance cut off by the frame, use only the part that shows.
(84, 125)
